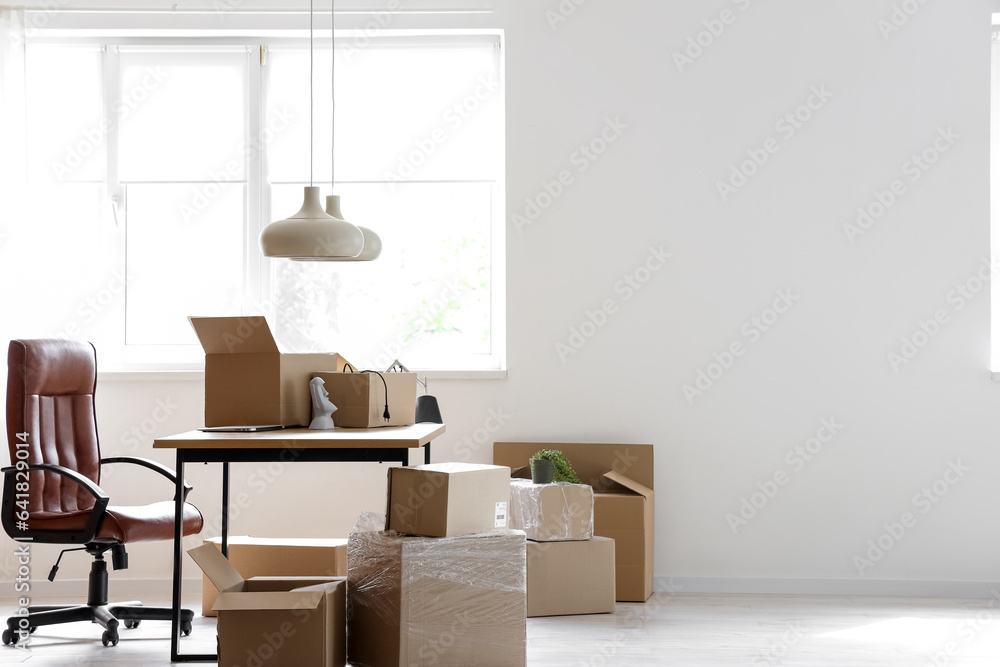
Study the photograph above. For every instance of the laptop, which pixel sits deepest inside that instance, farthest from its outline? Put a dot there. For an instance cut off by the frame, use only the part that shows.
(241, 429)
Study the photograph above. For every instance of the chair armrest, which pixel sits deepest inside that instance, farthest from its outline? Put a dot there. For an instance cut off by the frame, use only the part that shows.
(7, 515)
(152, 465)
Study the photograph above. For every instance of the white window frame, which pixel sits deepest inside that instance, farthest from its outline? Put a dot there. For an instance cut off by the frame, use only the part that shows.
(252, 30)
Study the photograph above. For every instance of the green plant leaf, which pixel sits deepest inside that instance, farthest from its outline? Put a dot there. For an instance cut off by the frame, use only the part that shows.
(564, 469)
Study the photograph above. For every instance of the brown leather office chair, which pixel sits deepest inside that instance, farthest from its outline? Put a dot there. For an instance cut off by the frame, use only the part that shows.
(51, 491)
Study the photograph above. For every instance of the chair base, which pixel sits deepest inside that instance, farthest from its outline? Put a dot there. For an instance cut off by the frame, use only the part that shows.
(106, 615)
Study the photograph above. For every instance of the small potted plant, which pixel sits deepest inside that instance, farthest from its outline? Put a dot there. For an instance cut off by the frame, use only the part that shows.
(550, 465)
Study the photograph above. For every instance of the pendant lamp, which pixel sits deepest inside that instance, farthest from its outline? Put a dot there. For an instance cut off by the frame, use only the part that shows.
(312, 234)
(373, 244)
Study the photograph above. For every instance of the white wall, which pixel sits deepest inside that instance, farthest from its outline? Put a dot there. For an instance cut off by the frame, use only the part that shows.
(826, 358)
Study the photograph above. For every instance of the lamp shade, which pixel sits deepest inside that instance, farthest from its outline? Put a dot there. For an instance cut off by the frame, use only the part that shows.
(312, 234)
(427, 410)
(373, 244)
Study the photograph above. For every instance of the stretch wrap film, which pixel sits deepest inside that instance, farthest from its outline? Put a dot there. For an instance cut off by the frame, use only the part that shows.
(552, 512)
(445, 601)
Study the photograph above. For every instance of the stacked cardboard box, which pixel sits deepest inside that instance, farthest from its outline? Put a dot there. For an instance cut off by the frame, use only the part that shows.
(622, 479)
(569, 570)
(440, 579)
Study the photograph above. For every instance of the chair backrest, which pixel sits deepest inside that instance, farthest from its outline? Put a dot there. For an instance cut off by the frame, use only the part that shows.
(50, 397)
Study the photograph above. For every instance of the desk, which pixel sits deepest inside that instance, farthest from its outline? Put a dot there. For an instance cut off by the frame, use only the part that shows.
(392, 443)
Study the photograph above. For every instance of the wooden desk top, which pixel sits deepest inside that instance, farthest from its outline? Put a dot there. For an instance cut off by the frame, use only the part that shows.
(415, 435)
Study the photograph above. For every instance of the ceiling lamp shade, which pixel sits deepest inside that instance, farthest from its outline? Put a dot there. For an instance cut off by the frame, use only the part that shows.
(312, 234)
(373, 244)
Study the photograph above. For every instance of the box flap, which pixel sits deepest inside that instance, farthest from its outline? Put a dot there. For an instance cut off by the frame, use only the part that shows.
(455, 467)
(217, 568)
(629, 484)
(590, 460)
(234, 335)
(261, 584)
(299, 599)
(250, 540)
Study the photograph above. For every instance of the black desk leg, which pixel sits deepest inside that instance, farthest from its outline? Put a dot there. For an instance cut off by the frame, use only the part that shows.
(427, 453)
(225, 509)
(175, 609)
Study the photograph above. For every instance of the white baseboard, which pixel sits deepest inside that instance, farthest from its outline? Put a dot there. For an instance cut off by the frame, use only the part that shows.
(851, 587)
(159, 589)
(118, 589)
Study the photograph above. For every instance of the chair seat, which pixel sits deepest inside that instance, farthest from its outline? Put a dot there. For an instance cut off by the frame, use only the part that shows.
(125, 523)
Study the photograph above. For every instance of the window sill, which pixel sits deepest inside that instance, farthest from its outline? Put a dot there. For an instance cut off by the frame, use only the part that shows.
(199, 375)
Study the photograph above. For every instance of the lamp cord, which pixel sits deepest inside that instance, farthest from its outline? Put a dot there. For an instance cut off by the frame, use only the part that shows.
(310, 93)
(333, 97)
(385, 415)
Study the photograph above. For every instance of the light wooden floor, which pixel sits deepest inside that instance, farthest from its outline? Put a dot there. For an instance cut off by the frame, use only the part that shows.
(704, 630)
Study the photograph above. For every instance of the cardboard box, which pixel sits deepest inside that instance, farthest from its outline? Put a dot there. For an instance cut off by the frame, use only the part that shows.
(361, 398)
(448, 602)
(566, 578)
(276, 621)
(248, 381)
(447, 499)
(552, 512)
(624, 503)
(258, 556)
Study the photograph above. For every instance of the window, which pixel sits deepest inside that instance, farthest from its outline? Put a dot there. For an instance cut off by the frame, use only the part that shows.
(155, 162)
(995, 199)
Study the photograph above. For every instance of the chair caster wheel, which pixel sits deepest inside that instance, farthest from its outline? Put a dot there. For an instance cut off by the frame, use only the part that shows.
(131, 623)
(186, 628)
(9, 638)
(110, 637)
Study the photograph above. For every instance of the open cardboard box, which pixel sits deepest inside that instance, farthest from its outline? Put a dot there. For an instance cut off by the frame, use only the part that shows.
(624, 503)
(249, 381)
(277, 556)
(276, 620)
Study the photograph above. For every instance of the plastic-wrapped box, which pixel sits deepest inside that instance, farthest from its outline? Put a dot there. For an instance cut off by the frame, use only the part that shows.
(448, 601)
(552, 512)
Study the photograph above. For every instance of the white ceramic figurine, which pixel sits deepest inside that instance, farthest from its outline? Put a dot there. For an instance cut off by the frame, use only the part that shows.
(322, 407)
